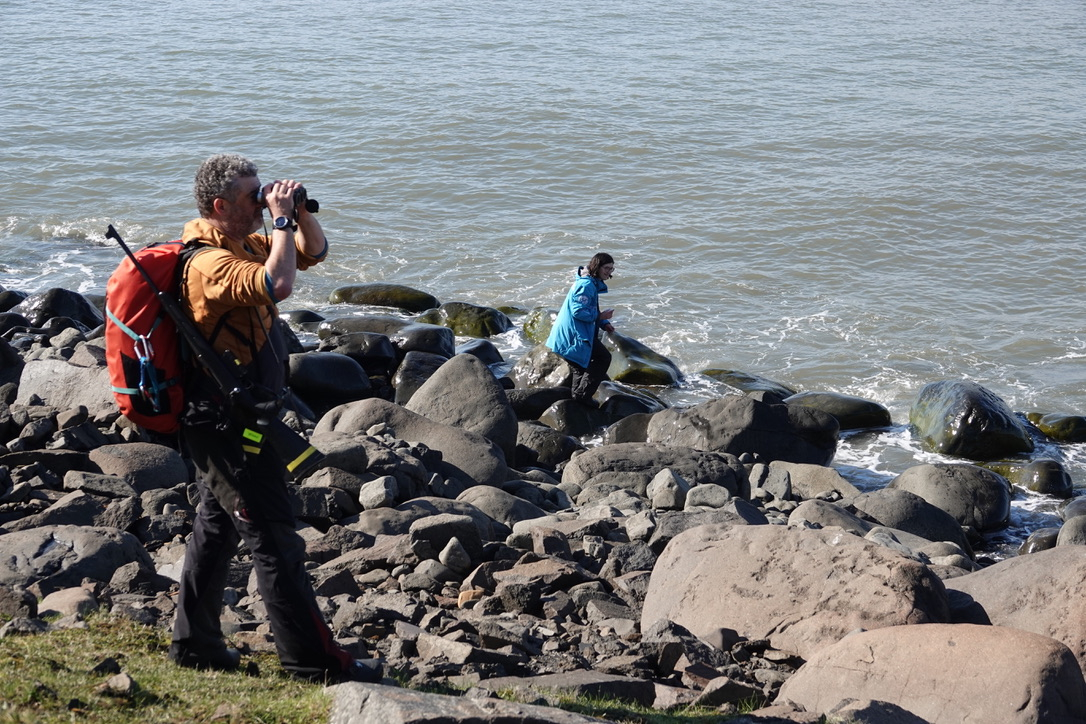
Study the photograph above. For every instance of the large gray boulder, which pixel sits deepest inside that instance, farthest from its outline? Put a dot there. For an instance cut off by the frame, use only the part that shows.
(1043, 592)
(946, 674)
(143, 465)
(972, 495)
(737, 424)
(466, 456)
(463, 393)
(1041, 475)
(964, 419)
(371, 350)
(800, 589)
(645, 461)
(61, 556)
(900, 509)
(66, 386)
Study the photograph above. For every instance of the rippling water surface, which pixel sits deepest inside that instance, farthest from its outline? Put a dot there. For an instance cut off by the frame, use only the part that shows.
(842, 196)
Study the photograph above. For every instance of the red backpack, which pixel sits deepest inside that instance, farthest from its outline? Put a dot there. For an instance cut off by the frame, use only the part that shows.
(143, 347)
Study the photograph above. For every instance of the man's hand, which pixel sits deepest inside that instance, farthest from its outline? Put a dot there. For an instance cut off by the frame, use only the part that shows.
(279, 196)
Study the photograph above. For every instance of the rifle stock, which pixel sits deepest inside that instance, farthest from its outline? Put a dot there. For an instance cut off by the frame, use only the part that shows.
(261, 424)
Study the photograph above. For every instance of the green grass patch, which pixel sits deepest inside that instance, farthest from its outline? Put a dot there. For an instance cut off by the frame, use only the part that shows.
(50, 678)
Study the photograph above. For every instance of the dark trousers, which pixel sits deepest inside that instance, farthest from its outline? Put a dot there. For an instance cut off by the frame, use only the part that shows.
(586, 380)
(246, 499)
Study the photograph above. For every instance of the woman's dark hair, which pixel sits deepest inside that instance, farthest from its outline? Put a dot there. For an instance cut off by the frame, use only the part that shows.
(600, 259)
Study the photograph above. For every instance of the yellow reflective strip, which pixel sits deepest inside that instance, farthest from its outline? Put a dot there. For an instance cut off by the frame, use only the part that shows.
(253, 435)
(301, 458)
(251, 449)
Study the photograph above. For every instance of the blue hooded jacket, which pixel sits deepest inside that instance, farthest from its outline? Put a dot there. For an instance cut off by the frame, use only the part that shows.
(574, 330)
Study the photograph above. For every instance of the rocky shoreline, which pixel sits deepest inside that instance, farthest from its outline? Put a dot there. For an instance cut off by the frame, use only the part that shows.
(461, 529)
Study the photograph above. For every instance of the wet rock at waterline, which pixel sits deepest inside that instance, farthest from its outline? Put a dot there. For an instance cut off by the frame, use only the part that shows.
(380, 294)
(962, 418)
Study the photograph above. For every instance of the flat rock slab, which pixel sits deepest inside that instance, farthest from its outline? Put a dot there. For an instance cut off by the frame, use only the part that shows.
(376, 704)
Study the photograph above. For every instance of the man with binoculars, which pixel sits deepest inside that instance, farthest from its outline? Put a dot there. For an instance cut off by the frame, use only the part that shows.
(230, 285)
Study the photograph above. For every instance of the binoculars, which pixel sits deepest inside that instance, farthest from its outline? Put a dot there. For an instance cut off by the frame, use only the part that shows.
(301, 198)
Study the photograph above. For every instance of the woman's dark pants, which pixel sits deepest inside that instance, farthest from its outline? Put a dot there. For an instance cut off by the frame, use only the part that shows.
(586, 380)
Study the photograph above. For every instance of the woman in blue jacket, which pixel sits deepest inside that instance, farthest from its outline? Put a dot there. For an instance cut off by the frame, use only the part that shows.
(574, 335)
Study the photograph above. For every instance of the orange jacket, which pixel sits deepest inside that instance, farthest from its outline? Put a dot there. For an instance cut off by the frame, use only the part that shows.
(230, 280)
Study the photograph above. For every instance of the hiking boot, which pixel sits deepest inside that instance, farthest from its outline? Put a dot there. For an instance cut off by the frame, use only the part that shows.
(224, 659)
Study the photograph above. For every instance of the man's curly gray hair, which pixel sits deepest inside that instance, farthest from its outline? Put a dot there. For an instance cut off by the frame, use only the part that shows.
(218, 177)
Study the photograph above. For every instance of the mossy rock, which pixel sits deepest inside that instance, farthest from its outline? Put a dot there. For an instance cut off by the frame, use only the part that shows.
(634, 363)
(537, 325)
(1042, 475)
(748, 382)
(468, 320)
(380, 294)
(1062, 428)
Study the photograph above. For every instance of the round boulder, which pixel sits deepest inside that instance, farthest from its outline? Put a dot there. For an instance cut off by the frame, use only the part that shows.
(852, 413)
(738, 424)
(326, 379)
(972, 495)
(412, 373)
(548, 447)
(540, 367)
(902, 510)
(500, 506)
(1043, 475)
(962, 418)
(58, 302)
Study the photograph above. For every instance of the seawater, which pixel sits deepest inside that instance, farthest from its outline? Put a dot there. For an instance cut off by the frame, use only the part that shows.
(842, 196)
